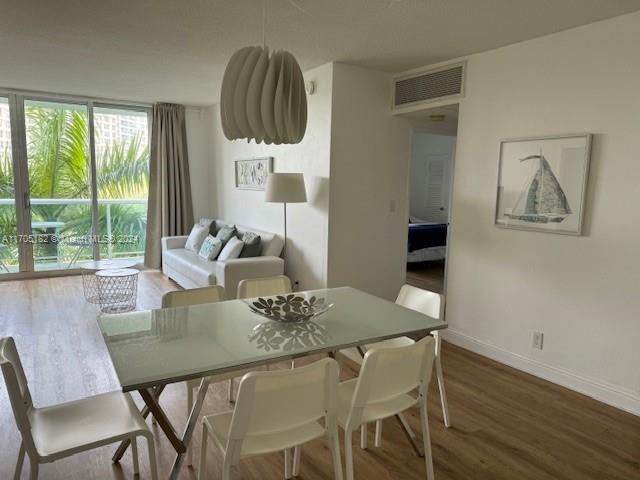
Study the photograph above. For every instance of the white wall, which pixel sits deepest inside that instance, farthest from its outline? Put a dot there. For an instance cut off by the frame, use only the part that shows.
(200, 129)
(307, 224)
(582, 292)
(370, 152)
(428, 146)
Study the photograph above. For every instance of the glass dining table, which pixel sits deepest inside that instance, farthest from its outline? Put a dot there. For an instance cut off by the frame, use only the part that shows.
(154, 348)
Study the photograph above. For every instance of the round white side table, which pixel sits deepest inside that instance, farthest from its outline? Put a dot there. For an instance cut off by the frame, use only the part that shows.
(117, 289)
(89, 269)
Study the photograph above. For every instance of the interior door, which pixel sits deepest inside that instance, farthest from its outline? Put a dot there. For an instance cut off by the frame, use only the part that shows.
(436, 181)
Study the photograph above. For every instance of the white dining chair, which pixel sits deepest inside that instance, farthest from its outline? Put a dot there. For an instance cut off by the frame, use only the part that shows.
(260, 287)
(51, 433)
(193, 296)
(199, 296)
(384, 388)
(275, 411)
(264, 287)
(430, 304)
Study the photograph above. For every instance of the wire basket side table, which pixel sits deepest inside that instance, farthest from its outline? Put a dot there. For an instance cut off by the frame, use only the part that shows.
(89, 282)
(117, 289)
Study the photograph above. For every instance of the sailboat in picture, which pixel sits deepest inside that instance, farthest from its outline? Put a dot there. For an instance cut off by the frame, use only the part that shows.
(542, 200)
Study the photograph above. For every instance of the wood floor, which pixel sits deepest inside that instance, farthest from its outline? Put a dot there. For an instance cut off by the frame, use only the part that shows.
(427, 275)
(506, 424)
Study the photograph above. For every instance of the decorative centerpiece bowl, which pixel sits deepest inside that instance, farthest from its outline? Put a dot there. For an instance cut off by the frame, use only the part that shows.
(292, 307)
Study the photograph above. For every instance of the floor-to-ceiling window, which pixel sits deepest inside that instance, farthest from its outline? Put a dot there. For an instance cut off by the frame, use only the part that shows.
(122, 174)
(8, 225)
(74, 185)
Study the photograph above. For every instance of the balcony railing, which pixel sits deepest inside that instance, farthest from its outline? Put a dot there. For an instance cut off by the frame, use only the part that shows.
(67, 245)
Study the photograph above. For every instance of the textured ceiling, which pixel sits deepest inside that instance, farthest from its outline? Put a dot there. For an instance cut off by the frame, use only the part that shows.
(176, 50)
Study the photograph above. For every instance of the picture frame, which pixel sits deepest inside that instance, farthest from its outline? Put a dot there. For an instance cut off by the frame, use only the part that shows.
(251, 174)
(542, 183)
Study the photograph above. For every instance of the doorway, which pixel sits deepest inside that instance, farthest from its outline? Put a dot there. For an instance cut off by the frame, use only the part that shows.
(430, 187)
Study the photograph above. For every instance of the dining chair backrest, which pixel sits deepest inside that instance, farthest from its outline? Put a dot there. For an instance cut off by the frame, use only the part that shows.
(17, 388)
(259, 287)
(388, 373)
(423, 301)
(193, 296)
(280, 400)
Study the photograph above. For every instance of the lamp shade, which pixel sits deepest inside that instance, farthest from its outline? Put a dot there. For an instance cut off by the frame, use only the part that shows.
(285, 188)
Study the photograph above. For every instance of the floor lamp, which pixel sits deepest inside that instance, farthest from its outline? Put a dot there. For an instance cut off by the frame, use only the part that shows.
(285, 188)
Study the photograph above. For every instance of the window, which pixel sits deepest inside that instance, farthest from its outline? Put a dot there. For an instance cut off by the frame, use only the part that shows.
(81, 191)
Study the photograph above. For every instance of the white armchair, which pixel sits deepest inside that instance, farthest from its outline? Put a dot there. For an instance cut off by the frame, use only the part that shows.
(191, 271)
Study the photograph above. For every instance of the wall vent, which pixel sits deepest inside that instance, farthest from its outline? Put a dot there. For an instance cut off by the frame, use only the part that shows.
(417, 88)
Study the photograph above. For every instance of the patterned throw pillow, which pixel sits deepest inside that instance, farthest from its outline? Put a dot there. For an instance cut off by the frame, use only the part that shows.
(225, 233)
(210, 248)
(252, 245)
(196, 237)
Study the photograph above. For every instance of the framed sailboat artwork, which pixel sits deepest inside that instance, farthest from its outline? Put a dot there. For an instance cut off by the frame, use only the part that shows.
(542, 183)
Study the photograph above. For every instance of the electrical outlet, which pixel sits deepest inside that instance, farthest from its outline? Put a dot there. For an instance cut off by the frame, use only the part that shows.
(538, 340)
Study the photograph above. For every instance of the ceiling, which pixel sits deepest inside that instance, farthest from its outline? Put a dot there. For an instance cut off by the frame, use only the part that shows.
(176, 50)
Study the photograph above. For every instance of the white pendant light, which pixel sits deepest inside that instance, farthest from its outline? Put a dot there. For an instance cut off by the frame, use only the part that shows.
(263, 97)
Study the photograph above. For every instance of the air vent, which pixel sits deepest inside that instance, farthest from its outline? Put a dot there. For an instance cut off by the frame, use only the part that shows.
(428, 86)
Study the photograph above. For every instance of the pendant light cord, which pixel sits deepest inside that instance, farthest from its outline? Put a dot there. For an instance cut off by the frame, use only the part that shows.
(264, 23)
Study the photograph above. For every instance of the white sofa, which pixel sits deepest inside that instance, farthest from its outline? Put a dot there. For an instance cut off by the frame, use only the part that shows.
(192, 271)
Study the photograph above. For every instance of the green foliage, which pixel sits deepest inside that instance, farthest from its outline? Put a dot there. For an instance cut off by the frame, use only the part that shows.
(59, 167)
(6, 175)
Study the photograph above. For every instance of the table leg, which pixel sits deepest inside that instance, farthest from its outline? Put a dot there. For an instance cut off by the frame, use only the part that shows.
(152, 402)
(145, 413)
(191, 425)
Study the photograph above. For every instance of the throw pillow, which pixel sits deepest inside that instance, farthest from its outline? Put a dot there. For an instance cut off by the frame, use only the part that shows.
(210, 248)
(252, 245)
(232, 249)
(210, 223)
(225, 233)
(196, 237)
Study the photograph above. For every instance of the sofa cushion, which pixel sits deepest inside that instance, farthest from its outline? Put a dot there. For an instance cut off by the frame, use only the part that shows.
(231, 250)
(210, 223)
(192, 266)
(252, 245)
(210, 248)
(226, 233)
(196, 237)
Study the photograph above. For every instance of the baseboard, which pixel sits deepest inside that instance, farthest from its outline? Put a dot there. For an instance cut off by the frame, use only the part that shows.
(603, 392)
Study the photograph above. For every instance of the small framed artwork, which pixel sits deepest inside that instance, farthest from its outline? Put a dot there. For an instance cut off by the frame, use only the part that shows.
(252, 174)
(542, 183)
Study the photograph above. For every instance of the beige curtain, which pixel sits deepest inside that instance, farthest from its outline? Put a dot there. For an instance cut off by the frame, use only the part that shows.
(170, 209)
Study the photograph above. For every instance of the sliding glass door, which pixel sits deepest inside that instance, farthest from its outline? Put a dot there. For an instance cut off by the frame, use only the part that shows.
(76, 187)
(8, 221)
(58, 163)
